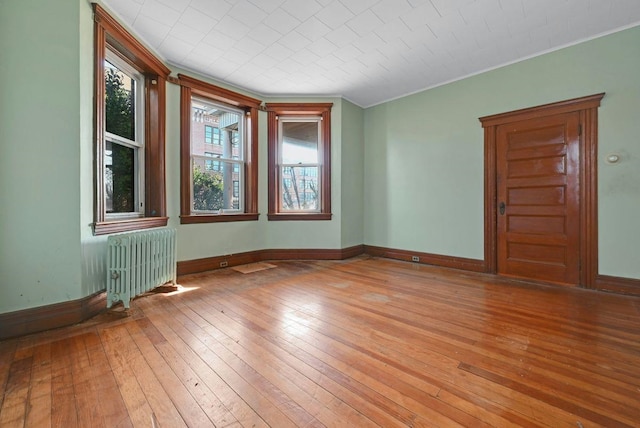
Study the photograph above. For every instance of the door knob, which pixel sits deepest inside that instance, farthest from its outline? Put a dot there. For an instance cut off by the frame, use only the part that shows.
(502, 206)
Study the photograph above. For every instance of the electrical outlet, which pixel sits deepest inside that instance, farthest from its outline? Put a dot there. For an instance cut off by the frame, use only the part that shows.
(224, 264)
(415, 258)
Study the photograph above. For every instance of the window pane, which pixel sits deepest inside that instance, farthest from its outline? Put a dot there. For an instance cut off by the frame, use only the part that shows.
(300, 188)
(120, 89)
(217, 181)
(119, 178)
(299, 142)
(215, 186)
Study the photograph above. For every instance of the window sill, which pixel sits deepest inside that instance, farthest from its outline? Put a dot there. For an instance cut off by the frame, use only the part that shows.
(218, 218)
(298, 216)
(107, 227)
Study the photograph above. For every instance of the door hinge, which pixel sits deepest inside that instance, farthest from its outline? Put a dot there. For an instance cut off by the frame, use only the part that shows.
(579, 129)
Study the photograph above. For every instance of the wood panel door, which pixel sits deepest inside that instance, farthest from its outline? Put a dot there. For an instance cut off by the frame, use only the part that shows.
(538, 197)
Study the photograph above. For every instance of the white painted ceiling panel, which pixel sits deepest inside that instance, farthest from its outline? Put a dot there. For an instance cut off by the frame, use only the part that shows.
(368, 51)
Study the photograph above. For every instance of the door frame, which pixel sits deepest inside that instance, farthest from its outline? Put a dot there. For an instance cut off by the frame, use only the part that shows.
(588, 179)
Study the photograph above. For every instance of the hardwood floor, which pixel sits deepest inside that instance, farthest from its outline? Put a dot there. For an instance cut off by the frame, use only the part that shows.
(357, 343)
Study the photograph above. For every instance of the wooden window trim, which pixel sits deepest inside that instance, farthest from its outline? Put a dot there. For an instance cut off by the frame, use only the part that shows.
(298, 109)
(108, 32)
(188, 88)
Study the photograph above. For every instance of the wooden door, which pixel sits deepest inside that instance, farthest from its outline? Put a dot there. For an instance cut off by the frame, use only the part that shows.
(538, 197)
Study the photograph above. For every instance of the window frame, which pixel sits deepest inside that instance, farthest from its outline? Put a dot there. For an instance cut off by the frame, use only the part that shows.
(286, 169)
(191, 87)
(111, 35)
(300, 110)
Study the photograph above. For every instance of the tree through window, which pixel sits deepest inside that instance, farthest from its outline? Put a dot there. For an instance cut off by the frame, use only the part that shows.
(124, 145)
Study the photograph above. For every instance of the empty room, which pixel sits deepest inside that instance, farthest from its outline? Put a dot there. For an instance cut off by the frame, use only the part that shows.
(307, 213)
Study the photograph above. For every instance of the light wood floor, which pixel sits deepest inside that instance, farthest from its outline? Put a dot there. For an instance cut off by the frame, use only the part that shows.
(359, 343)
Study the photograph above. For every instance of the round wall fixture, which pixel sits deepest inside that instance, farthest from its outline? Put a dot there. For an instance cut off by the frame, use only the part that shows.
(612, 158)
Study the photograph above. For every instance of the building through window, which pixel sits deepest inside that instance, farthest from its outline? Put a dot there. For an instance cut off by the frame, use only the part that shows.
(213, 179)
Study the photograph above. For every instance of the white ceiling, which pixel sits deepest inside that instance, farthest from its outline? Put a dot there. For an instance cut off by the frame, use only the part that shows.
(368, 51)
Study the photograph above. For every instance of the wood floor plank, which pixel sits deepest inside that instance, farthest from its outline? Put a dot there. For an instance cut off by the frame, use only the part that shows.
(359, 378)
(244, 381)
(202, 394)
(88, 402)
(142, 393)
(400, 335)
(350, 358)
(362, 342)
(574, 395)
(189, 410)
(17, 389)
(340, 386)
(117, 352)
(200, 356)
(103, 384)
(556, 401)
(557, 306)
(7, 355)
(296, 385)
(39, 406)
(390, 361)
(63, 403)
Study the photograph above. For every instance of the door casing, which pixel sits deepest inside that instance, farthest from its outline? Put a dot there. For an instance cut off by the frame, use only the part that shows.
(587, 107)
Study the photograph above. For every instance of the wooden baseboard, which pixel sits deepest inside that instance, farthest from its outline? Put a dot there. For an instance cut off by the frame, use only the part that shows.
(218, 262)
(617, 284)
(472, 265)
(33, 320)
(210, 263)
(311, 254)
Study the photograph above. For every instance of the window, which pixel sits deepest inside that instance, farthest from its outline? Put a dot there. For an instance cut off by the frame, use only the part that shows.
(124, 139)
(129, 133)
(299, 140)
(211, 135)
(224, 188)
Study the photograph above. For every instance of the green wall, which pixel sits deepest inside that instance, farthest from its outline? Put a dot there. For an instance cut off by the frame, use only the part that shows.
(352, 175)
(40, 213)
(424, 152)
